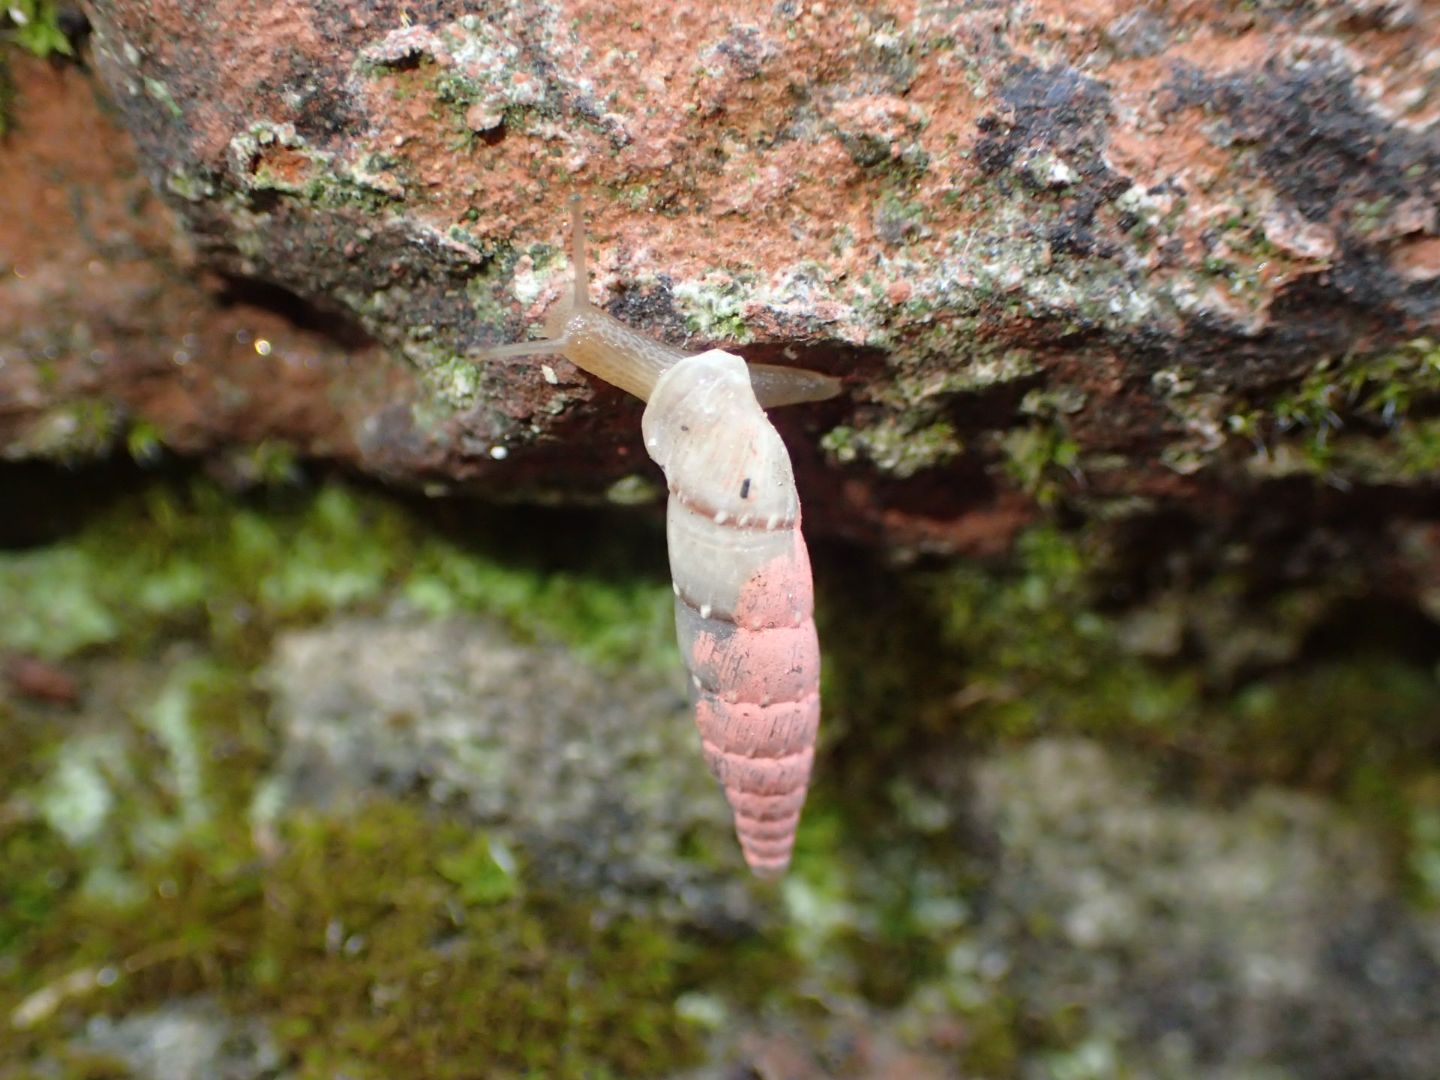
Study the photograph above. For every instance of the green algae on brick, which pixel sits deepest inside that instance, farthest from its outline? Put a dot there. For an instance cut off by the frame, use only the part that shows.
(894, 446)
(715, 310)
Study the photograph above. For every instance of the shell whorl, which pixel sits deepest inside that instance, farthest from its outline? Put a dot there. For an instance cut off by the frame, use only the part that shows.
(744, 598)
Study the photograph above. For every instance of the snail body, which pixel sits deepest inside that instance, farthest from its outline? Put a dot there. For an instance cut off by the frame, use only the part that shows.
(595, 341)
(743, 594)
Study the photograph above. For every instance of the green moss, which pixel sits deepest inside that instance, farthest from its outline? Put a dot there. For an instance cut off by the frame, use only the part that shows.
(613, 623)
(1352, 420)
(1032, 646)
(367, 945)
(72, 433)
(34, 25)
(51, 603)
(1038, 458)
(1040, 657)
(402, 936)
(1216, 679)
(271, 462)
(484, 871)
(172, 560)
(39, 873)
(144, 443)
(366, 956)
(146, 784)
(40, 868)
(1424, 849)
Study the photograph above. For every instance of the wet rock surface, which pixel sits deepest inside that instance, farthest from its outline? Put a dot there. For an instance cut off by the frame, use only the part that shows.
(1137, 226)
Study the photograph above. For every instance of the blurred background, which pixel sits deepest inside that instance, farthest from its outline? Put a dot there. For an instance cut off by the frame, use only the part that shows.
(343, 732)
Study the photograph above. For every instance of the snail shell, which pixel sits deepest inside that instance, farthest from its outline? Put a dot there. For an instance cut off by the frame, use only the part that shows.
(743, 595)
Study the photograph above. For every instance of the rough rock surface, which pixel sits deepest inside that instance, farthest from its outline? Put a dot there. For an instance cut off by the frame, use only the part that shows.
(187, 1039)
(1222, 941)
(1086, 234)
(602, 785)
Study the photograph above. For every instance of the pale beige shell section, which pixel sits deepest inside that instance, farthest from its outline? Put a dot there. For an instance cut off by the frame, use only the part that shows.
(732, 491)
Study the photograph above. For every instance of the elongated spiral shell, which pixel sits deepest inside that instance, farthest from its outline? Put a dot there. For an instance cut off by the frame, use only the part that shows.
(743, 595)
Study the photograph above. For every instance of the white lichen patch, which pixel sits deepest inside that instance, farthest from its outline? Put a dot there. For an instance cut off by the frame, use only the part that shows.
(403, 44)
(715, 308)
(458, 381)
(530, 282)
(171, 721)
(482, 54)
(800, 293)
(109, 793)
(77, 798)
(1147, 207)
(1011, 258)
(1292, 234)
(1046, 169)
(247, 146)
(966, 371)
(478, 61)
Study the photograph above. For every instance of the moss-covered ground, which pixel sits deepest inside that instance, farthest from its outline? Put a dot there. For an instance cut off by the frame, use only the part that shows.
(135, 872)
(141, 863)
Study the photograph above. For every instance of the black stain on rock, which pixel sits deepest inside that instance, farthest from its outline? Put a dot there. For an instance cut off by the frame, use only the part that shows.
(1315, 140)
(1054, 118)
(1055, 109)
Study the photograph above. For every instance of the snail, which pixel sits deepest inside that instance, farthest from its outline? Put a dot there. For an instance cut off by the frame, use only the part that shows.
(743, 593)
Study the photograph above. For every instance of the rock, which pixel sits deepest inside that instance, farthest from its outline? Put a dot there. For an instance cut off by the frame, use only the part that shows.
(598, 779)
(184, 1039)
(1214, 940)
(897, 197)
